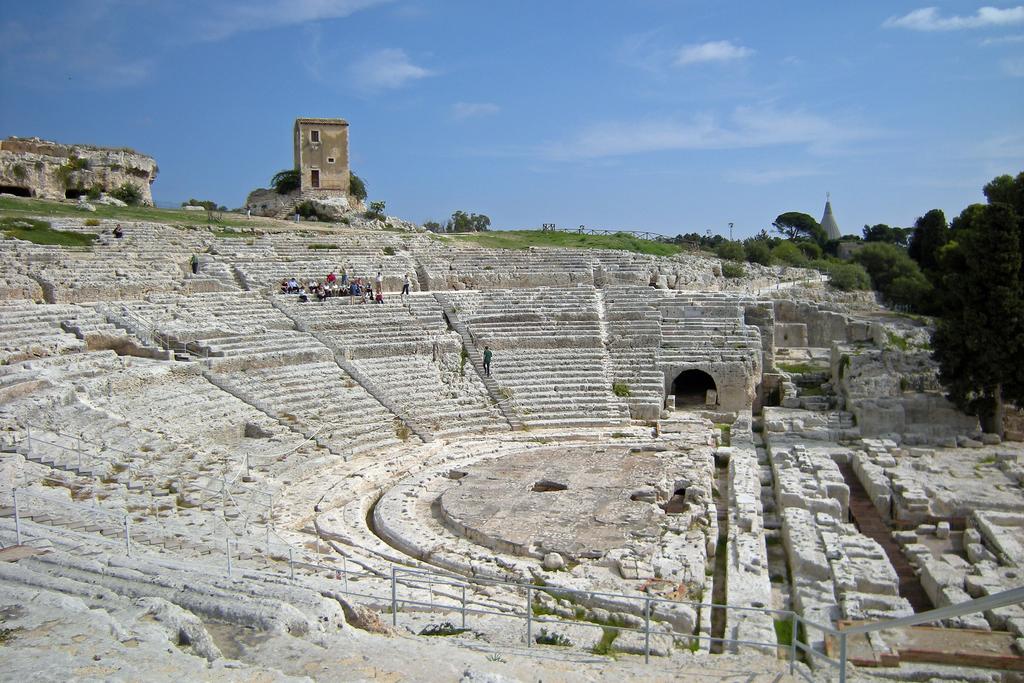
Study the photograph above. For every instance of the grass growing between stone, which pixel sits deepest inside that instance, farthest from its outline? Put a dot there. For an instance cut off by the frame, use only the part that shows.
(784, 631)
(41, 232)
(800, 368)
(524, 239)
(42, 207)
(606, 645)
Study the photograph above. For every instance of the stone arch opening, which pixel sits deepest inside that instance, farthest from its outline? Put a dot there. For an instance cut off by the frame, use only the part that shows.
(16, 190)
(75, 193)
(691, 388)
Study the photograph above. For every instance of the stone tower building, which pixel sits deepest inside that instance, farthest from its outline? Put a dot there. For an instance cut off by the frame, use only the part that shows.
(321, 155)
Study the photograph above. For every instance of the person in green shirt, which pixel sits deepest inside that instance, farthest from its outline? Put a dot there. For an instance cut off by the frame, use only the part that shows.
(487, 360)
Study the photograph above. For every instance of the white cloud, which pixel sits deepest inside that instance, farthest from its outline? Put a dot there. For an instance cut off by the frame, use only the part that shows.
(385, 69)
(226, 19)
(928, 19)
(713, 51)
(1004, 40)
(769, 176)
(1013, 67)
(744, 128)
(467, 110)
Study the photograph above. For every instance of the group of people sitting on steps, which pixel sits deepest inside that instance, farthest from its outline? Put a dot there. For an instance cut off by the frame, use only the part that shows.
(332, 285)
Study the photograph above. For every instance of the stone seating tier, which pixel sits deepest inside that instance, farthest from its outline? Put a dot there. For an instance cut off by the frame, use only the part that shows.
(436, 395)
(318, 394)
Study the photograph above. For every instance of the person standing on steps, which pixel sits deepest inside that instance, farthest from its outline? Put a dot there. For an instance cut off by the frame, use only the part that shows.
(405, 285)
(487, 360)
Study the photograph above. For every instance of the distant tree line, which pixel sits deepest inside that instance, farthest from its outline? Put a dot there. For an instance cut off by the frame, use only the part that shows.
(461, 221)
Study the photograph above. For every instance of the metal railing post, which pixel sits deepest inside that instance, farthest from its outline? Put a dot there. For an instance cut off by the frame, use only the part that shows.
(792, 643)
(247, 465)
(394, 598)
(529, 616)
(344, 570)
(463, 606)
(17, 517)
(227, 542)
(842, 657)
(647, 630)
(291, 565)
(127, 536)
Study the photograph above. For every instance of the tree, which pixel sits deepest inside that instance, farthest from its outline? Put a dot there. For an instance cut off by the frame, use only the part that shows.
(930, 234)
(287, 181)
(979, 338)
(433, 226)
(980, 335)
(794, 225)
(356, 187)
(883, 233)
(468, 222)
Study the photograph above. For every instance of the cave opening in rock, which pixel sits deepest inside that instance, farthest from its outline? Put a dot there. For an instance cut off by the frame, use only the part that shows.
(546, 486)
(16, 190)
(676, 504)
(691, 388)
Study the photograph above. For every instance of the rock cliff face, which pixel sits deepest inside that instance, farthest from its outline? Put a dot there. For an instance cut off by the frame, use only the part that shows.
(31, 167)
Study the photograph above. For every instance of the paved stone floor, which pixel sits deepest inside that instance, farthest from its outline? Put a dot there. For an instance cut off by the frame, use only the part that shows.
(576, 502)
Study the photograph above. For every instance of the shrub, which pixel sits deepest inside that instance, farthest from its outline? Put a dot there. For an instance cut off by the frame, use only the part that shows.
(19, 172)
(758, 251)
(94, 192)
(402, 430)
(92, 222)
(356, 187)
(733, 251)
(546, 637)
(445, 628)
(376, 210)
(732, 270)
(309, 209)
(205, 203)
(389, 250)
(287, 181)
(895, 275)
(848, 277)
(788, 253)
(129, 193)
(621, 389)
(810, 249)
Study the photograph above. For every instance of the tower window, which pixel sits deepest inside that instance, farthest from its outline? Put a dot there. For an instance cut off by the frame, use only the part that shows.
(330, 160)
(314, 136)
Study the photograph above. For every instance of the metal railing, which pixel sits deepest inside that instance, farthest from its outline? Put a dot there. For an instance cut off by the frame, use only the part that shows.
(80, 457)
(454, 594)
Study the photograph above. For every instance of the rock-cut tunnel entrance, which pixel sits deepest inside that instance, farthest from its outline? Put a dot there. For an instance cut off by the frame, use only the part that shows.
(691, 388)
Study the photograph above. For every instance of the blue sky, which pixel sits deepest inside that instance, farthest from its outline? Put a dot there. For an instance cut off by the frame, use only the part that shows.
(651, 115)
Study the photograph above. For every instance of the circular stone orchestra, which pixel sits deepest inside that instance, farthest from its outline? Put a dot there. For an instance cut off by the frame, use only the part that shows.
(580, 503)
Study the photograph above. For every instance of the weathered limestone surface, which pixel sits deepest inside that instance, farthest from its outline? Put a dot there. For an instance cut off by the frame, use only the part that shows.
(33, 164)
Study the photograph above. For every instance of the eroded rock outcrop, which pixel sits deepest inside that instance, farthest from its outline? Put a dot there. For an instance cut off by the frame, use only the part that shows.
(31, 167)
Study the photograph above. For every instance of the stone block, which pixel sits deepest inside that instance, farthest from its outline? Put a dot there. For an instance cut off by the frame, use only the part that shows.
(976, 552)
(942, 530)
